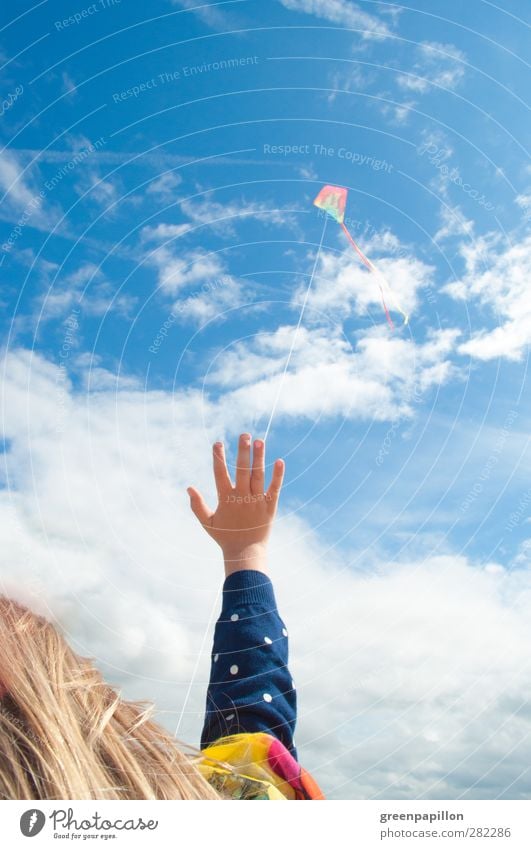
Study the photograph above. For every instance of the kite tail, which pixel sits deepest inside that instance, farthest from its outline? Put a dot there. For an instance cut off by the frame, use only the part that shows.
(388, 317)
(362, 256)
(373, 268)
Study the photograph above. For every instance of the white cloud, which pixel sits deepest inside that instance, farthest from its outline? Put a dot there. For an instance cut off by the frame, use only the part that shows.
(441, 55)
(192, 267)
(438, 64)
(453, 224)
(165, 185)
(104, 192)
(343, 12)
(351, 80)
(343, 286)
(308, 172)
(497, 275)
(426, 719)
(377, 379)
(155, 159)
(209, 13)
(68, 84)
(399, 113)
(177, 273)
(91, 183)
(402, 112)
(214, 299)
(221, 217)
(39, 265)
(19, 194)
(412, 83)
(163, 231)
(371, 379)
(86, 290)
(79, 573)
(407, 688)
(524, 202)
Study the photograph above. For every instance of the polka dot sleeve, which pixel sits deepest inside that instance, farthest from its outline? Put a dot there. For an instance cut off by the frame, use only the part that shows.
(250, 685)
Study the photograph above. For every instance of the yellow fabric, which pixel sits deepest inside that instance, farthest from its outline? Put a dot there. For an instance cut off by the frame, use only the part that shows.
(249, 774)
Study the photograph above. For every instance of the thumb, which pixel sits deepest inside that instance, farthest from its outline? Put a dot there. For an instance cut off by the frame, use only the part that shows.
(199, 507)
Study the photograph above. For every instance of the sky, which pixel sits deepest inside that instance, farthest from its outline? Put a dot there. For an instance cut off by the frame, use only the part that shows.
(157, 244)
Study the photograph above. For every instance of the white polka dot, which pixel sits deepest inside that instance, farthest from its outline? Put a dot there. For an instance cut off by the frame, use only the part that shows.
(234, 670)
(268, 697)
(284, 632)
(234, 617)
(268, 640)
(216, 658)
(229, 717)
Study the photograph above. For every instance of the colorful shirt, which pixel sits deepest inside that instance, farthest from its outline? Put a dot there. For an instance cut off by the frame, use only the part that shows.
(251, 705)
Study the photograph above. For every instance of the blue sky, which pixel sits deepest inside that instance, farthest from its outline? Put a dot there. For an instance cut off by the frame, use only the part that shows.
(157, 236)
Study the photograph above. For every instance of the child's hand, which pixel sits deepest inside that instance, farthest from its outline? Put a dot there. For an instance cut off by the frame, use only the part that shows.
(244, 516)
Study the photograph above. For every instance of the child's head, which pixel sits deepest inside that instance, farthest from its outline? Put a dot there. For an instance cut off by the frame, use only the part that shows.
(66, 734)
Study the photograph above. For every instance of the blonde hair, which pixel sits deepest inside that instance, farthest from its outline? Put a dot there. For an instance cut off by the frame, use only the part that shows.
(66, 734)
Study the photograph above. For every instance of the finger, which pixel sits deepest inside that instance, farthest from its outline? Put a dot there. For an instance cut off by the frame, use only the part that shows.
(199, 506)
(258, 472)
(276, 481)
(221, 473)
(243, 464)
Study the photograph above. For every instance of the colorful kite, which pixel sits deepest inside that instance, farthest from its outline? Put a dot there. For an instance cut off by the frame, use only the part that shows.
(333, 199)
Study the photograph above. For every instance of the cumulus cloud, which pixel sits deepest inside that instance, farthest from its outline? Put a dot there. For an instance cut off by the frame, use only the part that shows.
(497, 276)
(61, 487)
(181, 270)
(433, 702)
(411, 676)
(176, 272)
(343, 12)
(200, 279)
(343, 286)
(85, 290)
(377, 379)
(212, 300)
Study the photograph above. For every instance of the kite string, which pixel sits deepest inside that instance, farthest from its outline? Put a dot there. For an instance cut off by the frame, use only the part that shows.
(279, 390)
(190, 685)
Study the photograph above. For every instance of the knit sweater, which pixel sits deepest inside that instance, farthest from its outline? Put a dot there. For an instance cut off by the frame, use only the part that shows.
(250, 689)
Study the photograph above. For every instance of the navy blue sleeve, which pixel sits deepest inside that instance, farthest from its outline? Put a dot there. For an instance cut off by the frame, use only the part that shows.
(250, 685)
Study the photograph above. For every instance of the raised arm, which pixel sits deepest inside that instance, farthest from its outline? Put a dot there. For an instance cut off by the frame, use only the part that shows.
(250, 686)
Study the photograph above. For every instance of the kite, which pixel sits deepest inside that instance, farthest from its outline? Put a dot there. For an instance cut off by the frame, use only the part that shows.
(333, 200)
